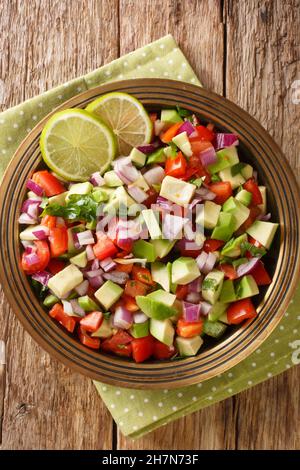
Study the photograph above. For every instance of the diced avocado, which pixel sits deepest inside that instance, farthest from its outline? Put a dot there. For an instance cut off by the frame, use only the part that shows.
(170, 151)
(156, 187)
(72, 295)
(79, 260)
(170, 116)
(87, 304)
(138, 157)
(144, 249)
(182, 142)
(158, 156)
(263, 206)
(162, 330)
(154, 308)
(188, 346)
(223, 318)
(108, 294)
(235, 180)
(64, 281)
(58, 199)
(237, 262)
(247, 171)
(225, 158)
(184, 270)
(228, 292)
(151, 219)
(79, 188)
(238, 210)
(212, 286)
(177, 191)
(263, 232)
(50, 300)
(225, 227)
(27, 234)
(101, 195)
(161, 274)
(112, 180)
(245, 197)
(200, 239)
(246, 287)
(232, 249)
(141, 183)
(215, 329)
(217, 310)
(104, 331)
(139, 330)
(162, 247)
(163, 297)
(209, 215)
(71, 231)
(118, 198)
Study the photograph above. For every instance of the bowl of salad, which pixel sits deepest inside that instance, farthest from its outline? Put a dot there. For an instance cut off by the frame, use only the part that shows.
(149, 233)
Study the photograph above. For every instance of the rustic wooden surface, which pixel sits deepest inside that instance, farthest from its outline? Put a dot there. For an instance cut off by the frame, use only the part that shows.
(246, 50)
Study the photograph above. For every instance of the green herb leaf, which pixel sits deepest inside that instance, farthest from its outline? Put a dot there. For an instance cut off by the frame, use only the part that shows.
(79, 207)
(215, 178)
(106, 315)
(183, 112)
(197, 182)
(254, 250)
(39, 288)
(236, 169)
(209, 284)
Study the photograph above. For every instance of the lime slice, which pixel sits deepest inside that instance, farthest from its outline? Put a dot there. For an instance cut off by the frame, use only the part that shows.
(127, 118)
(75, 144)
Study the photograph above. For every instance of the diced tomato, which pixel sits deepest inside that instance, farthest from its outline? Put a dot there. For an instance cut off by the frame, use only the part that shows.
(162, 351)
(199, 146)
(211, 245)
(56, 265)
(204, 134)
(125, 244)
(189, 329)
(195, 163)
(49, 221)
(57, 312)
(152, 196)
(43, 253)
(143, 275)
(228, 270)
(240, 311)
(130, 303)
(50, 184)
(181, 292)
(124, 268)
(260, 275)
(87, 340)
(121, 254)
(190, 172)
(253, 188)
(104, 248)
(58, 239)
(190, 253)
(168, 135)
(177, 166)
(134, 288)
(254, 242)
(153, 116)
(119, 344)
(92, 321)
(223, 191)
(254, 212)
(142, 348)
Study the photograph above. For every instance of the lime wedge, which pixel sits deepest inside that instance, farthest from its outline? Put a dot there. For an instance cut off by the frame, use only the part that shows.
(75, 144)
(126, 117)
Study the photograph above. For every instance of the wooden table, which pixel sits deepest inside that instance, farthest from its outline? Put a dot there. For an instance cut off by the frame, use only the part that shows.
(246, 50)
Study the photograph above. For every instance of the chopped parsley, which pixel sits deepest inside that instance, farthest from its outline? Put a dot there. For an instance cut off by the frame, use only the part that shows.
(254, 250)
(210, 284)
(79, 207)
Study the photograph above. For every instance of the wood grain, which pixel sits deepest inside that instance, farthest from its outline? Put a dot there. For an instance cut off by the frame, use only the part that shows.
(46, 42)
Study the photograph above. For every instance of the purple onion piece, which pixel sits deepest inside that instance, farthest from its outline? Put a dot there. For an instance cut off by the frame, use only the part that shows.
(35, 188)
(187, 127)
(191, 312)
(248, 267)
(42, 277)
(205, 308)
(117, 277)
(122, 318)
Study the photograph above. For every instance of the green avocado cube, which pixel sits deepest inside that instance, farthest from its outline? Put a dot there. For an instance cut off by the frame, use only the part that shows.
(170, 116)
(79, 188)
(112, 180)
(144, 249)
(87, 304)
(245, 197)
(162, 247)
(263, 206)
(158, 156)
(162, 330)
(108, 294)
(58, 199)
(161, 273)
(209, 216)
(232, 249)
(65, 280)
(237, 262)
(223, 318)
(184, 270)
(247, 171)
(79, 260)
(154, 308)
(50, 300)
(228, 292)
(162, 296)
(217, 310)
(212, 286)
(235, 181)
(225, 158)
(238, 210)
(138, 157)
(151, 219)
(214, 329)
(104, 331)
(246, 287)
(263, 232)
(225, 227)
(182, 142)
(188, 346)
(139, 330)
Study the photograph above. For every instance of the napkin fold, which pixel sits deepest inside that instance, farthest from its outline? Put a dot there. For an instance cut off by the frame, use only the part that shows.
(138, 412)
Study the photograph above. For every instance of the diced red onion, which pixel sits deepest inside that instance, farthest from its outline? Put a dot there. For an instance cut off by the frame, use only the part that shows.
(96, 179)
(195, 286)
(137, 194)
(117, 277)
(247, 268)
(187, 127)
(28, 202)
(225, 140)
(193, 297)
(26, 219)
(32, 258)
(77, 310)
(155, 175)
(36, 188)
(125, 170)
(139, 317)
(96, 282)
(172, 226)
(187, 245)
(201, 260)
(42, 277)
(82, 288)
(67, 306)
(191, 312)
(208, 156)
(122, 176)
(108, 264)
(209, 263)
(41, 234)
(190, 235)
(85, 238)
(89, 252)
(158, 126)
(29, 249)
(147, 148)
(76, 241)
(95, 265)
(128, 229)
(205, 193)
(265, 217)
(122, 318)
(95, 273)
(205, 308)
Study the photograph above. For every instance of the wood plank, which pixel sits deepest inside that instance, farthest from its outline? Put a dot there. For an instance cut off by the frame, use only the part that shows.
(44, 43)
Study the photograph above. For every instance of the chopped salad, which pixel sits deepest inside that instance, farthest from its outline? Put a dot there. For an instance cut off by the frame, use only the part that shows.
(160, 249)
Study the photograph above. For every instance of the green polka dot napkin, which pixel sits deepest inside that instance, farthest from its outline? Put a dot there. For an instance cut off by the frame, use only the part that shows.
(138, 412)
